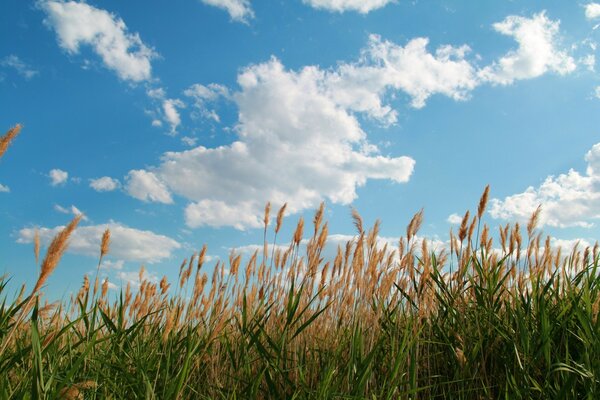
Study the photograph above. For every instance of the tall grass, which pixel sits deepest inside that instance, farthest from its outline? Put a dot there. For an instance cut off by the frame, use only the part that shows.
(516, 320)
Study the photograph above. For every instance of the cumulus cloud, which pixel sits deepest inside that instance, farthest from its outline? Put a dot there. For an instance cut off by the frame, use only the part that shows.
(298, 136)
(362, 6)
(537, 52)
(239, 10)
(296, 144)
(171, 114)
(454, 219)
(78, 24)
(104, 184)
(144, 185)
(4, 189)
(14, 62)
(571, 199)
(412, 69)
(127, 244)
(592, 11)
(58, 177)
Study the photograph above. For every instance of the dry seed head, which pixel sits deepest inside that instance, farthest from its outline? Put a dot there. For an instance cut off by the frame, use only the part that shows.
(55, 252)
(36, 246)
(299, 231)
(414, 225)
(267, 214)
(462, 231)
(104, 288)
(6, 140)
(164, 285)
(280, 217)
(201, 257)
(472, 228)
(104, 247)
(358, 222)
(141, 273)
(483, 202)
(318, 219)
(533, 220)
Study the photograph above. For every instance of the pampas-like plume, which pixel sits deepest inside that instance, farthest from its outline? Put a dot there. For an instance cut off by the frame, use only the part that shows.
(280, 217)
(483, 202)
(462, 231)
(267, 214)
(104, 247)
(299, 231)
(55, 252)
(533, 220)
(36, 246)
(358, 222)
(6, 140)
(414, 225)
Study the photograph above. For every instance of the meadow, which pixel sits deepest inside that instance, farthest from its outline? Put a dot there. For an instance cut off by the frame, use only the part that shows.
(497, 314)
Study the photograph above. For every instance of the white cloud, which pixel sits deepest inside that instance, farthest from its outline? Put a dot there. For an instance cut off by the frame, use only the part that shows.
(4, 189)
(592, 11)
(19, 65)
(218, 213)
(58, 177)
(133, 277)
(104, 184)
(568, 244)
(597, 92)
(571, 199)
(127, 244)
(454, 219)
(589, 61)
(189, 141)
(109, 265)
(296, 144)
(144, 185)
(73, 210)
(299, 139)
(171, 114)
(412, 69)
(239, 10)
(204, 95)
(362, 6)
(79, 24)
(537, 52)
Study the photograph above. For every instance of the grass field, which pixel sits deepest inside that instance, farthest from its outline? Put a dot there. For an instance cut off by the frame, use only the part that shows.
(495, 315)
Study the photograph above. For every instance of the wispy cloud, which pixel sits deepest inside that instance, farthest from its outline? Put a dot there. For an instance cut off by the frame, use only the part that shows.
(22, 68)
(239, 10)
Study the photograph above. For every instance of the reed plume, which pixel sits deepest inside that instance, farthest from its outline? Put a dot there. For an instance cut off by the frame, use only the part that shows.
(7, 139)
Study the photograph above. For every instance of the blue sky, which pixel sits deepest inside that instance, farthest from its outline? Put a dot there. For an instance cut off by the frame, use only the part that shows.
(173, 123)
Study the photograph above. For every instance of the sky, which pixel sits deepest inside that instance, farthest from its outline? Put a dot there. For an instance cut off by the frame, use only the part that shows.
(174, 123)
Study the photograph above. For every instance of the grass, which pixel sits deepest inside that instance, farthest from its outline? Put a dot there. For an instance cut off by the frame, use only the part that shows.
(515, 320)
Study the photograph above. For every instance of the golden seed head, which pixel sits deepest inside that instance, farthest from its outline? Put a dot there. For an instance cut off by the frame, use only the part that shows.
(104, 247)
(267, 214)
(55, 252)
(6, 140)
(280, 215)
(462, 231)
(36, 246)
(483, 202)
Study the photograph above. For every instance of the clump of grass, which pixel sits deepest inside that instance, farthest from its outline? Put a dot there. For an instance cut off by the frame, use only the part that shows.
(517, 319)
